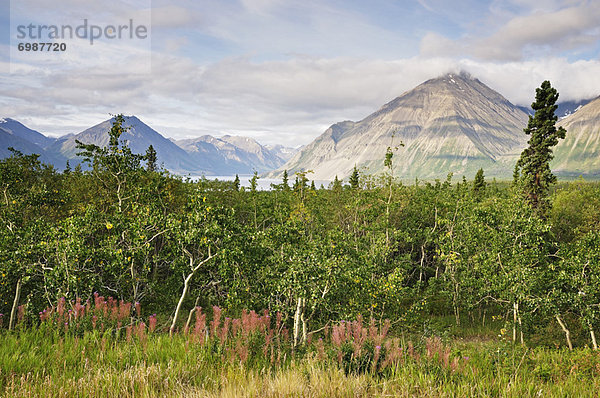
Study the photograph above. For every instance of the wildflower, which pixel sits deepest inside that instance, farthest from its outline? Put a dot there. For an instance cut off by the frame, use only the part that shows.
(376, 357)
(152, 323)
(109, 226)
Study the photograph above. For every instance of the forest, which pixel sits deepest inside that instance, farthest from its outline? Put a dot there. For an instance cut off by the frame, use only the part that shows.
(120, 250)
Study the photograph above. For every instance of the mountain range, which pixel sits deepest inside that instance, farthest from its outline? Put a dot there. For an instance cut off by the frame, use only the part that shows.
(450, 124)
(206, 155)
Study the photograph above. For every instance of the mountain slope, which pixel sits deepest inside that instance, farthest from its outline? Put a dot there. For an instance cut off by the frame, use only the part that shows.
(453, 123)
(233, 154)
(139, 137)
(17, 129)
(579, 153)
(16, 135)
(282, 152)
(8, 140)
(211, 153)
(206, 155)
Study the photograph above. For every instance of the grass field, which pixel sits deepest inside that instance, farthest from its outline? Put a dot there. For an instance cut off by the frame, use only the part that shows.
(46, 362)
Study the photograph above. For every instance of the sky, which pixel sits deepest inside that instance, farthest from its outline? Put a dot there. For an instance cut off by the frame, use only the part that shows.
(282, 71)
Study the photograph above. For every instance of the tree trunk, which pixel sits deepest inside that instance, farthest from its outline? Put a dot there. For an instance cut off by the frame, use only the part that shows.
(13, 312)
(186, 286)
(593, 336)
(298, 317)
(517, 316)
(189, 320)
(483, 318)
(567, 333)
(304, 324)
(422, 260)
(521, 331)
(514, 334)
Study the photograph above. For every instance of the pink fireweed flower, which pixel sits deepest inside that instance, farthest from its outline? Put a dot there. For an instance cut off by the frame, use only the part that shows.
(320, 350)
(235, 326)
(152, 323)
(214, 324)
(124, 310)
(140, 331)
(376, 357)
(200, 326)
(224, 331)
(60, 308)
(20, 313)
(242, 351)
(279, 317)
(268, 339)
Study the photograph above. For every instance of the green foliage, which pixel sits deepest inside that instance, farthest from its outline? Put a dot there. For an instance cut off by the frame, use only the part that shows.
(479, 183)
(285, 182)
(354, 178)
(254, 182)
(151, 158)
(452, 250)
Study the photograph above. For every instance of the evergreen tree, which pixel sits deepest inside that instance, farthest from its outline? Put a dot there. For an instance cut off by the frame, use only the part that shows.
(479, 182)
(151, 158)
(236, 183)
(254, 182)
(285, 182)
(312, 185)
(337, 184)
(354, 181)
(516, 174)
(534, 163)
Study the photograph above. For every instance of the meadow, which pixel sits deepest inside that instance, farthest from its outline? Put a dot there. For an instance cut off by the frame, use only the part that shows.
(99, 350)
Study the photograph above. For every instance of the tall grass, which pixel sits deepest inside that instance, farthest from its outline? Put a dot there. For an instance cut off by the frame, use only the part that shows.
(253, 356)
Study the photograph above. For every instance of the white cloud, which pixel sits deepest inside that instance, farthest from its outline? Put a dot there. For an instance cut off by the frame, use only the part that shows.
(171, 16)
(559, 30)
(547, 28)
(271, 90)
(290, 101)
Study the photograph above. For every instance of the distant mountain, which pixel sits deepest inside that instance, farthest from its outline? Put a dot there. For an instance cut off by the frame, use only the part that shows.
(17, 129)
(8, 140)
(206, 155)
(139, 137)
(208, 152)
(25, 140)
(282, 152)
(451, 124)
(234, 154)
(579, 153)
(564, 108)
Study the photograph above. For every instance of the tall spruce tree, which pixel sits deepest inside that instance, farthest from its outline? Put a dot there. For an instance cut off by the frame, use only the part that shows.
(285, 183)
(533, 168)
(151, 158)
(479, 183)
(354, 178)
